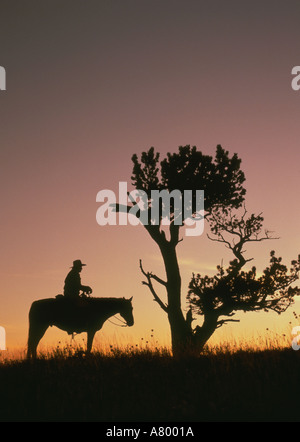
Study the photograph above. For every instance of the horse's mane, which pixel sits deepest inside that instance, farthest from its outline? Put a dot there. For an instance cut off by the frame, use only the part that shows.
(106, 300)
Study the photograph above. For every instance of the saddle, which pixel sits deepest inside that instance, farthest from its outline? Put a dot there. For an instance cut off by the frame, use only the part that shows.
(80, 301)
(81, 296)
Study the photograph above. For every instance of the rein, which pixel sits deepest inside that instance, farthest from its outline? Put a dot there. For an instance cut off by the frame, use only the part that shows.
(123, 322)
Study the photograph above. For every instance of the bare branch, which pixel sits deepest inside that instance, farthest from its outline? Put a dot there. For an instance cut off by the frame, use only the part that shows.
(156, 278)
(245, 229)
(150, 285)
(222, 240)
(263, 238)
(224, 321)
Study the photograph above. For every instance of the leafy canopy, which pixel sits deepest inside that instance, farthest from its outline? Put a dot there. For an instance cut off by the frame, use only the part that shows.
(221, 177)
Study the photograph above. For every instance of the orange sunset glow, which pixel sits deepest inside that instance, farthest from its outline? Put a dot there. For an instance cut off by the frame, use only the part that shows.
(89, 84)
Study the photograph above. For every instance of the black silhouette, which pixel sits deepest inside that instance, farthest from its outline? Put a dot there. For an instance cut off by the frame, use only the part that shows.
(233, 289)
(74, 316)
(222, 182)
(73, 284)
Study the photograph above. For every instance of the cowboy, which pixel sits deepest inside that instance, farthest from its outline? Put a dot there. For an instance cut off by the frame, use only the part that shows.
(73, 281)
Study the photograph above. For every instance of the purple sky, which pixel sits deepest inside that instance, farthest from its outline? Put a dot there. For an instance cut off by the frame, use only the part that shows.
(89, 84)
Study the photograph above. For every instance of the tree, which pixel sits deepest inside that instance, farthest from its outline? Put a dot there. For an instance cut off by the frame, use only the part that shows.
(233, 289)
(222, 181)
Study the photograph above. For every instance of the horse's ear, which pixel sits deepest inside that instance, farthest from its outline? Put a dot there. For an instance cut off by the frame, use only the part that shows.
(131, 298)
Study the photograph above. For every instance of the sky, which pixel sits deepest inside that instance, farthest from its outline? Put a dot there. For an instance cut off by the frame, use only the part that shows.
(90, 83)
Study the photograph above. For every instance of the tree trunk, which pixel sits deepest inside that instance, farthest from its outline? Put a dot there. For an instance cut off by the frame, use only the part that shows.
(203, 333)
(185, 341)
(181, 333)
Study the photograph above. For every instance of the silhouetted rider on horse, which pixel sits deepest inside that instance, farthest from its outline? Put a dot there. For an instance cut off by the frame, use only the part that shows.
(73, 284)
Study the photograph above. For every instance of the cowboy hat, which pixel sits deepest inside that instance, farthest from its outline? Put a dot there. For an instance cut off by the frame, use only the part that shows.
(78, 263)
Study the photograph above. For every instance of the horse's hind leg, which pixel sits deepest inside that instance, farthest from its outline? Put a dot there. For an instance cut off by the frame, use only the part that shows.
(35, 335)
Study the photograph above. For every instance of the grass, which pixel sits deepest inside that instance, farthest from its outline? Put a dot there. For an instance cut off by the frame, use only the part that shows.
(143, 383)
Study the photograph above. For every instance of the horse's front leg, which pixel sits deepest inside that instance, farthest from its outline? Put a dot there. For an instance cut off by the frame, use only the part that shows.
(90, 338)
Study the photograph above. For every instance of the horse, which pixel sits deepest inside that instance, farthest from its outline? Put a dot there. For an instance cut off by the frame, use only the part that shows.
(74, 316)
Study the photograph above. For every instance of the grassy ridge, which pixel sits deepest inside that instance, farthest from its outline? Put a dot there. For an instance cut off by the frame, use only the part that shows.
(151, 386)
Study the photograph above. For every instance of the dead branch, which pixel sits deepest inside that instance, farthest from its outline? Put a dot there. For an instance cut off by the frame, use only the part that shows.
(150, 276)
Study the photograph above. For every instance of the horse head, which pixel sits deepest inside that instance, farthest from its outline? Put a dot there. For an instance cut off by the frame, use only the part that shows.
(126, 311)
